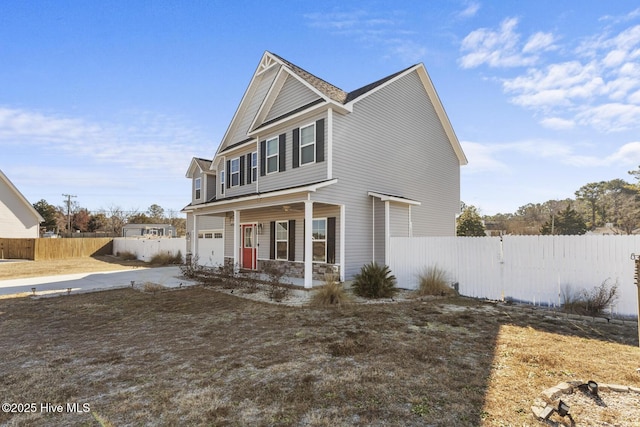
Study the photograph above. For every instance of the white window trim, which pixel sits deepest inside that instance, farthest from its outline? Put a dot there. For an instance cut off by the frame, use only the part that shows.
(222, 183)
(254, 166)
(198, 188)
(237, 159)
(324, 240)
(307, 144)
(286, 258)
(277, 155)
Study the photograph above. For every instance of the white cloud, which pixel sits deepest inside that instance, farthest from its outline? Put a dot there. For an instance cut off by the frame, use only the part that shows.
(539, 41)
(611, 117)
(502, 47)
(470, 11)
(149, 142)
(482, 158)
(558, 123)
(373, 30)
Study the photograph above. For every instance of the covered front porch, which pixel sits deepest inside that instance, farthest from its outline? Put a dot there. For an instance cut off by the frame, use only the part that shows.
(302, 238)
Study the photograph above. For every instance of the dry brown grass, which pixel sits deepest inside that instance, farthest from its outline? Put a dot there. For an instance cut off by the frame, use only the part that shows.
(199, 357)
(15, 270)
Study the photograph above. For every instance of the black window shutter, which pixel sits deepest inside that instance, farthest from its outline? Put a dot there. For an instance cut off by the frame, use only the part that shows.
(320, 140)
(242, 166)
(331, 240)
(281, 150)
(263, 157)
(272, 240)
(228, 174)
(249, 167)
(292, 240)
(296, 147)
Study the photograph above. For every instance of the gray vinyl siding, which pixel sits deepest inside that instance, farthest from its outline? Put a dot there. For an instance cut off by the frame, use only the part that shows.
(399, 219)
(239, 133)
(240, 189)
(210, 186)
(292, 95)
(305, 174)
(393, 143)
(379, 232)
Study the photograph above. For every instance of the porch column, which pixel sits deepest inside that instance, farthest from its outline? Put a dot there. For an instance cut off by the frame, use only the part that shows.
(308, 244)
(387, 231)
(342, 243)
(236, 239)
(194, 238)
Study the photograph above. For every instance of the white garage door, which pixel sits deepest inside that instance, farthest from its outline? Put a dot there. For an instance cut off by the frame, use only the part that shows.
(210, 248)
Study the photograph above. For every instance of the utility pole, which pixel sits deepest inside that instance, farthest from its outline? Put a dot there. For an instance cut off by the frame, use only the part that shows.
(69, 196)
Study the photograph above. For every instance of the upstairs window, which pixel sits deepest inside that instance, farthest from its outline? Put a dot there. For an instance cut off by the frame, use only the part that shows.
(198, 188)
(254, 166)
(221, 182)
(235, 172)
(308, 144)
(272, 155)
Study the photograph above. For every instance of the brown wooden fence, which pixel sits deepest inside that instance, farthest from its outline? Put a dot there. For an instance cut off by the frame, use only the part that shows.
(41, 249)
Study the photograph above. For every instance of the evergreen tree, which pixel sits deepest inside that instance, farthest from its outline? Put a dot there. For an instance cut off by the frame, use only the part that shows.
(469, 223)
(567, 222)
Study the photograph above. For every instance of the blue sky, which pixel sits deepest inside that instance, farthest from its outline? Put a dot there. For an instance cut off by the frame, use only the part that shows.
(109, 101)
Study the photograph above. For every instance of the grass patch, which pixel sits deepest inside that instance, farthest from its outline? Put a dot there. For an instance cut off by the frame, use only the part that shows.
(434, 281)
(332, 293)
(127, 256)
(202, 357)
(161, 259)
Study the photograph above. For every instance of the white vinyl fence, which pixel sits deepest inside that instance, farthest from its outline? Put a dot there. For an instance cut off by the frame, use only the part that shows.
(145, 249)
(533, 269)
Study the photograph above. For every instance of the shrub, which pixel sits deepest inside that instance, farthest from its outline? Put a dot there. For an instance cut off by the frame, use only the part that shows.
(166, 258)
(191, 269)
(375, 281)
(332, 293)
(127, 256)
(590, 303)
(278, 289)
(434, 281)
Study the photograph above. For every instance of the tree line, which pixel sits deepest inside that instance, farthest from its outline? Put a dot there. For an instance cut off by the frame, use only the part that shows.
(61, 220)
(611, 207)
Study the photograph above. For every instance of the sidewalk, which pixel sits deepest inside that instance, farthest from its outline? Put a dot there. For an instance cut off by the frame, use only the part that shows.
(86, 282)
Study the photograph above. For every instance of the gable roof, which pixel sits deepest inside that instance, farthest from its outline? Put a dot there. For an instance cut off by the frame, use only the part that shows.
(203, 164)
(329, 94)
(20, 196)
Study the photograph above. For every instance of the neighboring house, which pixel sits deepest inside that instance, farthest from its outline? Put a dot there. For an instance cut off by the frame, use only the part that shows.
(148, 230)
(316, 179)
(18, 217)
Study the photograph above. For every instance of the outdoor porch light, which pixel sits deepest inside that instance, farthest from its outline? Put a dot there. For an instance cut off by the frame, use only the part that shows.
(259, 228)
(563, 409)
(68, 291)
(593, 387)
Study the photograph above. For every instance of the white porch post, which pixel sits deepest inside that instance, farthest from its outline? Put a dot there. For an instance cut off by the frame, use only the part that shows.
(387, 232)
(308, 244)
(342, 242)
(236, 238)
(194, 238)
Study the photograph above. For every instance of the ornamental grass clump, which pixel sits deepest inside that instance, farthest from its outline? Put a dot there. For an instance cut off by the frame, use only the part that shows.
(331, 294)
(434, 281)
(375, 281)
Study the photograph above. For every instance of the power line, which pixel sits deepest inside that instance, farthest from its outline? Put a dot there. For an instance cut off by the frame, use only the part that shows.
(69, 196)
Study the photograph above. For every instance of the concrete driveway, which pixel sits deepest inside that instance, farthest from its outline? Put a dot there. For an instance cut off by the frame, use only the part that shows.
(86, 282)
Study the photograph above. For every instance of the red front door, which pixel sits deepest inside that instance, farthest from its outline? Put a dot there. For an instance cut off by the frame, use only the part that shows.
(249, 246)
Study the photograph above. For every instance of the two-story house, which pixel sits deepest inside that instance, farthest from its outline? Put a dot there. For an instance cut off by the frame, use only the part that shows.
(317, 179)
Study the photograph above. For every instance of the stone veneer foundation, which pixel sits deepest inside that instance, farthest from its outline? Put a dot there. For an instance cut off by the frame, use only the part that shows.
(295, 269)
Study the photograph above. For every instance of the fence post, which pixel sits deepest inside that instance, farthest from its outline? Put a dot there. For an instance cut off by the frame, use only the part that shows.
(636, 258)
